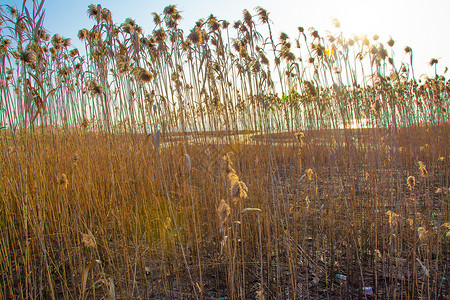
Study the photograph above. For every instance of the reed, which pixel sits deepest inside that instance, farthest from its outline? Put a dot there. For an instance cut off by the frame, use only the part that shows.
(221, 162)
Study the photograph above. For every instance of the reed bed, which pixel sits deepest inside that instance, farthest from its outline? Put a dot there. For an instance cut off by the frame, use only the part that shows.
(220, 163)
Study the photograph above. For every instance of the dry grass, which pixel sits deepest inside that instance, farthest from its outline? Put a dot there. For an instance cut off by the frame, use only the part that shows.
(130, 208)
(168, 166)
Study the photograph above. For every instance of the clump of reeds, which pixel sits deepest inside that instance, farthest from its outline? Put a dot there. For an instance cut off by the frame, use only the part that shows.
(237, 188)
(110, 156)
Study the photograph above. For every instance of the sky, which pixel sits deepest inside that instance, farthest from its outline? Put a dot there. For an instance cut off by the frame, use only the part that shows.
(422, 25)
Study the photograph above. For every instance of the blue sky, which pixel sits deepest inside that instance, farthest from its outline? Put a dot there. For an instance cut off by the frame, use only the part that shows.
(422, 25)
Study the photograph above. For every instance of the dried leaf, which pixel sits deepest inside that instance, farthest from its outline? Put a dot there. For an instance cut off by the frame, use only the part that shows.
(251, 209)
(188, 162)
(85, 276)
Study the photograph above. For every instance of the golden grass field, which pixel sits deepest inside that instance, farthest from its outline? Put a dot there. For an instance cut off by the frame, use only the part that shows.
(198, 167)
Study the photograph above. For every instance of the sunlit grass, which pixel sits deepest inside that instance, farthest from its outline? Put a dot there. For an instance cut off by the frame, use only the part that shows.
(220, 162)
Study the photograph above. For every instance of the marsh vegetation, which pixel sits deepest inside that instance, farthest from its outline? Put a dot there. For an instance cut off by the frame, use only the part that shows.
(225, 162)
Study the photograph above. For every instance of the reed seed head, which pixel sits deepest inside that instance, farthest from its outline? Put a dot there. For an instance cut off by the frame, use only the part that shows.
(225, 24)
(247, 18)
(92, 11)
(27, 57)
(88, 241)
(66, 42)
(57, 41)
(74, 52)
(376, 107)
(264, 59)
(283, 37)
(94, 87)
(288, 56)
(170, 10)
(233, 178)
(75, 158)
(423, 234)
(106, 15)
(262, 14)
(223, 211)
(13, 11)
(259, 293)
(314, 33)
(336, 22)
(5, 43)
(213, 24)
(83, 34)
(229, 166)
(167, 222)
(239, 192)
(300, 135)
(390, 42)
(143, 75)
(411, 181)
(423, 169)
(62, 181)
(393, 219)
(160, 35)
